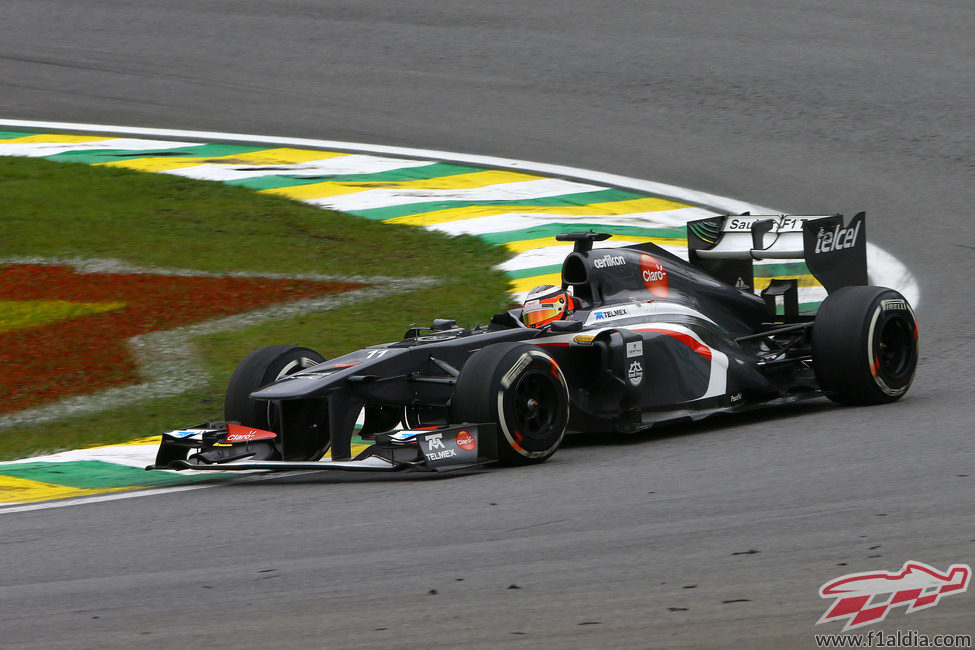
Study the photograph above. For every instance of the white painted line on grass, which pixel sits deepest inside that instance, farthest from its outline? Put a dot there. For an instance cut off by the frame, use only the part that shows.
(168, 360)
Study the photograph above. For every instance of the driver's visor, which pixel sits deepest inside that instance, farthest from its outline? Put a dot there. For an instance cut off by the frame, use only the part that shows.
(534, 315)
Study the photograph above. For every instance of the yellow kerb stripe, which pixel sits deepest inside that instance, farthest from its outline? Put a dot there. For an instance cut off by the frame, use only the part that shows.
(56, 138)
(148, 440)
(456, 182)
(155, 440)
(524, 284)
(596, 209)
(804, 281)
(544, 242)
(356, 450)
(281, 156)
(20, 490)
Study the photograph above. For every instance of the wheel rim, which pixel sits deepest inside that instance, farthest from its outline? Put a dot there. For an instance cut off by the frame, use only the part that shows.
(895, 350)
(535, 405)
(296, 365)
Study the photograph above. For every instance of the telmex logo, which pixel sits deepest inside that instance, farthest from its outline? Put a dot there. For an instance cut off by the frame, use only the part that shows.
(837, 239)
(600, 315)
(866, 598)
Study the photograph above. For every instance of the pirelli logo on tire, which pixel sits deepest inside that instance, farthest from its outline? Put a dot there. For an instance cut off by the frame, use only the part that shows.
(894, 305)
(515, 370)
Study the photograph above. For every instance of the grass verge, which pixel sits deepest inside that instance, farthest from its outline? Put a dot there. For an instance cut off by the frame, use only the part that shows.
(75, 210)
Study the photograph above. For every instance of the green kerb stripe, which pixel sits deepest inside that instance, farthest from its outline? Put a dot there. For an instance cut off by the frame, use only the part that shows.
(433, 170)
(9, 135)
(765, 271)
(582, 198)
(111, 155)
(95, 474)
(552, 229)
(781, 270)
(532, 272)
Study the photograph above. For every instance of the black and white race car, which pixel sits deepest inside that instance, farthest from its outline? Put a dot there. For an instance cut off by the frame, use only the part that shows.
(632, 338)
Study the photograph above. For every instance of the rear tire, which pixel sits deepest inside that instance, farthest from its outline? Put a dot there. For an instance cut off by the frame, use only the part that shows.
(523, 390)
(864, 343)
(258, 369)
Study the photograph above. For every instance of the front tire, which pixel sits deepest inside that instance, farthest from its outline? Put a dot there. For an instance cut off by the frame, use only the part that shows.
(258, 369)
(864, 343)
(523, 390)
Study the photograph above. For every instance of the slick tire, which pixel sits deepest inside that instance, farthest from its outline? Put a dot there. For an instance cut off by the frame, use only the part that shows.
(864, 344)
(523, 390)
(258, 369)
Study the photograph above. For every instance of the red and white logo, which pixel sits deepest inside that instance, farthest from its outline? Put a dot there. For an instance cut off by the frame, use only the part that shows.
(654, 275)
(238, 433)
(866, 598)
(466, 441)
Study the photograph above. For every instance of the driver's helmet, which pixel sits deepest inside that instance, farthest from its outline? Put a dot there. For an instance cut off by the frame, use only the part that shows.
(545, 304)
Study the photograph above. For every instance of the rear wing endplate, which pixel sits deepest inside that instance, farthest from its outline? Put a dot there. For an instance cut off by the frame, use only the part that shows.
(727, 246)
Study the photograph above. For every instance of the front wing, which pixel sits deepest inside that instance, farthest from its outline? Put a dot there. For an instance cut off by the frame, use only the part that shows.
(222, 447)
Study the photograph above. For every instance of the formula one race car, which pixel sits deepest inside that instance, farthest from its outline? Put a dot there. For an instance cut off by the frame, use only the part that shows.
(632, 338)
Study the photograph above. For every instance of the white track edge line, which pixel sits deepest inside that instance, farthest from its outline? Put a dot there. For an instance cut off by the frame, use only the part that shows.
(135, 492)
(99, 498)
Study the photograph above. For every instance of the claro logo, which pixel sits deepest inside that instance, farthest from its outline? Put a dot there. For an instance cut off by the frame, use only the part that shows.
(655, 277)
(237, 433)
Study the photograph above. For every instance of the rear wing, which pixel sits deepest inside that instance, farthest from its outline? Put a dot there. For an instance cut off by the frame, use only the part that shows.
(728, 246)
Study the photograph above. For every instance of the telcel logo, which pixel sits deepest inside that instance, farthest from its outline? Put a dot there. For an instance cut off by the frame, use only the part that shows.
(838, 238)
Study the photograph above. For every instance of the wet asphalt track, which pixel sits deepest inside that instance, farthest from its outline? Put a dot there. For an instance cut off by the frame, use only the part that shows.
(634, 542)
